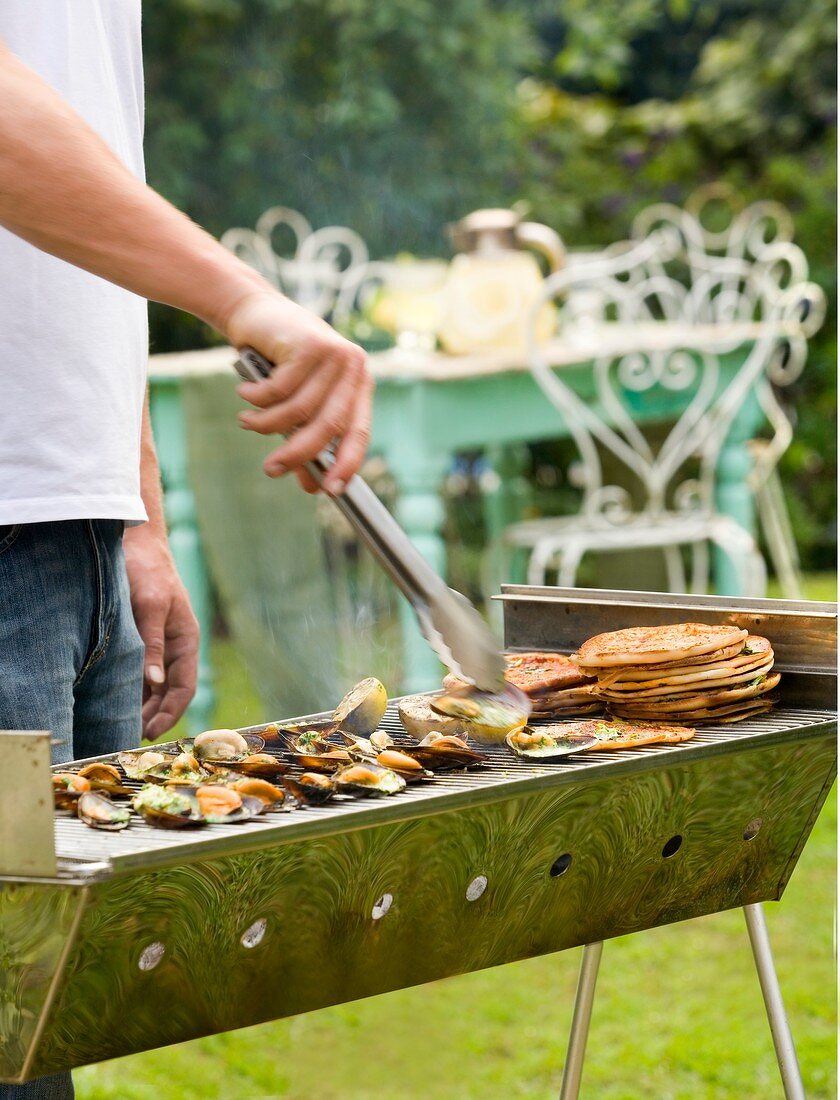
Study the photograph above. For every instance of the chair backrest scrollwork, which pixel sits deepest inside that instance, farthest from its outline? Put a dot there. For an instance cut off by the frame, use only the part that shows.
(686, 296)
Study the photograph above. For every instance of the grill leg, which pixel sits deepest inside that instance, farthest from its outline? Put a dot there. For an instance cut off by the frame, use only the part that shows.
(779, 1026)
(584, 997)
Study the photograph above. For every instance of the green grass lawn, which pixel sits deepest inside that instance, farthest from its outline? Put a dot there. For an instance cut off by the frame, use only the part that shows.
(678, 1012)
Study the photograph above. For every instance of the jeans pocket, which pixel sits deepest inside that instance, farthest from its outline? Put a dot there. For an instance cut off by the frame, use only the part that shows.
(8, 535)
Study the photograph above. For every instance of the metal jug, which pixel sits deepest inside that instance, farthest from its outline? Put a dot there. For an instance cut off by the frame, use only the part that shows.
(494, 281)
(486, 231)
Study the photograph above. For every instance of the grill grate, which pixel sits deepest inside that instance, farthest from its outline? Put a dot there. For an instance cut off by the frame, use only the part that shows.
(86, 853)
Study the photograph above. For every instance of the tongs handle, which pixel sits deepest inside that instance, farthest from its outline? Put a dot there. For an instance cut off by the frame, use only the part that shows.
(369, 517)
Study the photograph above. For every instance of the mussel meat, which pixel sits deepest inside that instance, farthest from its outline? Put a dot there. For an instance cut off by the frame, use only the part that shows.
(368, 779)
(222, 746)
(225, 806)
(267, 793)
(97, 810)
(136, 764)
(105, 777)
(400, 762)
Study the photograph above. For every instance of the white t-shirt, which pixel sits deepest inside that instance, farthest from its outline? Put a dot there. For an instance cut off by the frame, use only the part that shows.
(73, 347)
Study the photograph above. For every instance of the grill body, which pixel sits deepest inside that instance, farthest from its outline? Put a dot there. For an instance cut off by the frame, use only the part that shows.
(147, 938)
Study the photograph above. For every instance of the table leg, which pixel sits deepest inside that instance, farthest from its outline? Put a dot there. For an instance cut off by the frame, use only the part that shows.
(170, 431)
(508, 495)
(733, 495)
(420, 512)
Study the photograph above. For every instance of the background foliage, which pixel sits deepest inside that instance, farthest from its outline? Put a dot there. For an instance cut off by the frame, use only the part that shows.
(395, 118)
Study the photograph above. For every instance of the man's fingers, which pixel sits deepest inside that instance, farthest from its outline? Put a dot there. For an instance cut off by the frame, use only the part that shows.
(307, 481)
(330, 423)
(354, 444)
(301, 408)
(285, 380)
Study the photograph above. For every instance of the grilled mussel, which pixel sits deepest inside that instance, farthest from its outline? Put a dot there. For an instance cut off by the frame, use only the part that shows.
(137, 764)
(181, 771)
(442, 752)
(546, 743)
(368, 779)
(168, 807)
(310, 788)
(222, 746)
(97, 810)
(225, 806)
(270, 795)
(411, 770)
(68, 787)
(105, 777)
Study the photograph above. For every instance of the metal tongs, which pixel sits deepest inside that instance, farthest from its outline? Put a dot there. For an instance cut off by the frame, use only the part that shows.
(449, 622)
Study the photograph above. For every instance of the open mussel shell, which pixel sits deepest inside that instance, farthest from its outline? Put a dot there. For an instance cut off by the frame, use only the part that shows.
(168, 807)
(411, 770)
(222, 746)
(136, 764)
(326, 762)
(310, 788)
(546, 744)
(68, 787)
(259, 764)
(272, 796)
(105, 777)
(183, 770)
(439, 753)
(308, 742)
(224, 806)
(97, 810)
(368, 779)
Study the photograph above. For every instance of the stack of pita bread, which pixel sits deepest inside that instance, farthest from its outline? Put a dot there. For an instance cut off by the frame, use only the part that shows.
(688, 672)
(554, 684)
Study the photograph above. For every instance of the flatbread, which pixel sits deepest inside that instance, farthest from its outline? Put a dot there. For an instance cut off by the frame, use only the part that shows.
(537, 673)
(685, 664)
(735, 712)
(627, 735)
(676, 704)
(640, 645)
(651, 676)
(682, 685)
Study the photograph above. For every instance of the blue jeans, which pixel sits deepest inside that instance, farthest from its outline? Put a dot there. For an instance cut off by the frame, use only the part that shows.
(71, 660)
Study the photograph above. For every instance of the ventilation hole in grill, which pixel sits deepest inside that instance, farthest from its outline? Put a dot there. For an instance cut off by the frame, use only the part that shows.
(476, 888)
(672, 846)
(150, 956)
(561, 865)
(752, 829)
(381, 906)
(253, 936)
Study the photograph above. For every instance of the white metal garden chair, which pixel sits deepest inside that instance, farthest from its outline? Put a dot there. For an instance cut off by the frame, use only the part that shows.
(711, 287)
(309, 265)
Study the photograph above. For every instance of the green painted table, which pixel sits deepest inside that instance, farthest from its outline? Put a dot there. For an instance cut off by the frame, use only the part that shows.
(428, 409)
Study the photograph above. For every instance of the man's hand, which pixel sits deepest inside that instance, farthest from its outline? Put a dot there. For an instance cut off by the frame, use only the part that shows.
(320, 389)
(167, 626)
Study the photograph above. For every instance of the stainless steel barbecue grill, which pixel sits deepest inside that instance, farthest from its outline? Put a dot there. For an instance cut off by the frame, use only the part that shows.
(119, 942)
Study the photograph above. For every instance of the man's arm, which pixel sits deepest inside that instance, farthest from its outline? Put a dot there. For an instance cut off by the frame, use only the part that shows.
(62, 189)
(160, 604)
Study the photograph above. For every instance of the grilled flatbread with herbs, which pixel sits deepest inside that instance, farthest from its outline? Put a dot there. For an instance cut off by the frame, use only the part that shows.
(642, 645)
(626, 735)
